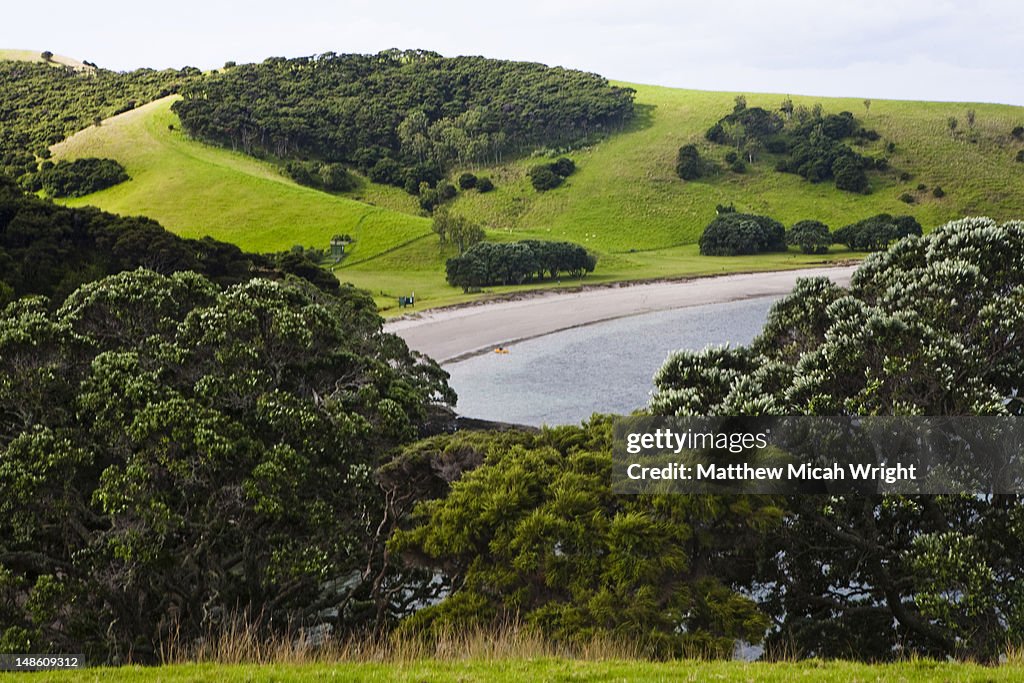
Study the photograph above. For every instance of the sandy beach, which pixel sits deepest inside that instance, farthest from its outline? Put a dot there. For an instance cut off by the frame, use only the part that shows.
(454, 333)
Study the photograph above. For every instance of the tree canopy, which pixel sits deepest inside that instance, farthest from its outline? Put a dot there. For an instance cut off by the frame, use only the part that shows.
(534, 533)
(934, 325)
(403, 117)
(172, 455)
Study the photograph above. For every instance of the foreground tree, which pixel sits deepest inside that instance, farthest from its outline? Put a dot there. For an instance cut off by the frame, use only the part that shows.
(932, 326)
(535, 534)
(172, 455)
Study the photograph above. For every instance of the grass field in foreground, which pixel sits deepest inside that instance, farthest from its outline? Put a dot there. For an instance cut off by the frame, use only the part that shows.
(196, 190)
(811, 671)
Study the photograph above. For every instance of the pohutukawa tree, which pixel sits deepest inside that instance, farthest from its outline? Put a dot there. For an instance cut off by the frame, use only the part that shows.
(932, 326)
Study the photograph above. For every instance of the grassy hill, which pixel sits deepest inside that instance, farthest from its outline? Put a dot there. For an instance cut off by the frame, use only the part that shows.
(196, 190)
(624, 202)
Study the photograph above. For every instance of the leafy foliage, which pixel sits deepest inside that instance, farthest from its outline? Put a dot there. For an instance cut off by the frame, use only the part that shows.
(401, 117)
(550, 176)
(75, 178)
(877, 232)
(732, 234)
(330, 177)
(812, 237)
(688, 165)
(535, 533)
(932, 326)
(514, 263)
(172, 455)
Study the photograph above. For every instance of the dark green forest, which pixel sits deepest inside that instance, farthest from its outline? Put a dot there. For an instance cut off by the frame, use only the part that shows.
(41, 104)
(401, 117)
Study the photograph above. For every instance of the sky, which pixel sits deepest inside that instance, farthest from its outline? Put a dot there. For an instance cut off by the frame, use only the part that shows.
(900, 49)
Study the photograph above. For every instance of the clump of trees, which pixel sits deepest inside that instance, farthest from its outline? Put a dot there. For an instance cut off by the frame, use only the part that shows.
(75, 178)
(401, 117)
(877, 232)
(732, 234)
(813, 237)
(516, 263)
(810, 142)
(931, 326)
(174, 455)
(549, 176)
(457, 230)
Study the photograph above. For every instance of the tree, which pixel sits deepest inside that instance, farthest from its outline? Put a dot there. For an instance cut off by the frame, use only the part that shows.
(787, 107)
(543, 178)
(733, 234)
(688, 166)
(952, 123)
(46, 55)
(849, 175)
(173, 454)
(484, 184)
(881, 577)
(740, 103)
(467, 181)
(534, 535)
(813, 237)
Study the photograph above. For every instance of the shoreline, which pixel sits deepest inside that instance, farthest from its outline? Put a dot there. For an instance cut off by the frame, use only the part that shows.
(454, 333)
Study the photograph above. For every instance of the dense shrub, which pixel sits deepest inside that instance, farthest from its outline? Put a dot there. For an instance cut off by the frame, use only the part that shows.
(688, 166)
(738, 166)
(1018, 132)
(907, 198)
(1020, 155)
(76, 178)
(877, 232)
(467, 181)
(484, 184)
(563, 166)
(849, 174)
(938, 192)
(514, 263)
(732, 234)
(813, 237)
(731, 157)
(543, 178)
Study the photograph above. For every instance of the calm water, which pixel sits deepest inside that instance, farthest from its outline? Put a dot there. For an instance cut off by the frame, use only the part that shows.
(608, 367)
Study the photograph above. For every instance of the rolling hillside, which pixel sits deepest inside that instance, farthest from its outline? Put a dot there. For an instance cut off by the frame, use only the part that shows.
(624, 202)
(196, 190)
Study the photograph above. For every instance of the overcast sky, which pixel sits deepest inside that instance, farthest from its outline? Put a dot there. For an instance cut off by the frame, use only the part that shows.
(909, 49)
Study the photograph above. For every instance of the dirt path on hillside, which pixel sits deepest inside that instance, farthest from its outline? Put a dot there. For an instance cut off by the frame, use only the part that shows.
(451, 334)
